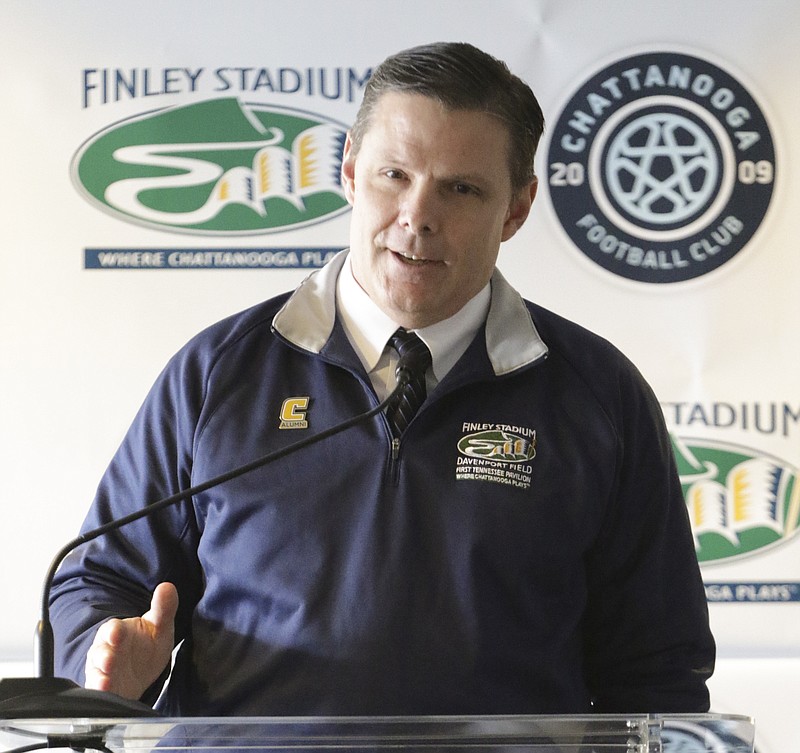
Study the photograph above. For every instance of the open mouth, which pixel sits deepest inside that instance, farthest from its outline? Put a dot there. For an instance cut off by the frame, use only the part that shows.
(412, 259)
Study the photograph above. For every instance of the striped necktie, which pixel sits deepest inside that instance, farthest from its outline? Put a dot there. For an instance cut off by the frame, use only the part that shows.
(415, 354)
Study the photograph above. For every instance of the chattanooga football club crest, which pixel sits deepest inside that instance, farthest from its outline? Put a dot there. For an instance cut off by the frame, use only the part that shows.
(661, 167)
(739, 500)
(216, 167)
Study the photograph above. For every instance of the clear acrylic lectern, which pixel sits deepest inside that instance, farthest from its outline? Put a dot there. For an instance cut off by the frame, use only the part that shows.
(696, 733)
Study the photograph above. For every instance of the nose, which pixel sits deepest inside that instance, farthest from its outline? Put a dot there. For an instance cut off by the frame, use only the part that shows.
(420, 210)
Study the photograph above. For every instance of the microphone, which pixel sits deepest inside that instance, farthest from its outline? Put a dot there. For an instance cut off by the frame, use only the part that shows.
(404, 372)
(57, 697)
(408, 366)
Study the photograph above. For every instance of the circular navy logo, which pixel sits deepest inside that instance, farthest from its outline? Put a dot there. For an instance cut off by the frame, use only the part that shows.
(661, 167)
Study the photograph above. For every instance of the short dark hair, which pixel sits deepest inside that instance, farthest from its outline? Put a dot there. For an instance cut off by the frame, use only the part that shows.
(461, 77)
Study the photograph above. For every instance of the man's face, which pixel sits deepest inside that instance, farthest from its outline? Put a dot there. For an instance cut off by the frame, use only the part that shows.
(432, 201)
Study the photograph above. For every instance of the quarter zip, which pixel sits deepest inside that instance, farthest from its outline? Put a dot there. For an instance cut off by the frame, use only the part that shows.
(394, 462)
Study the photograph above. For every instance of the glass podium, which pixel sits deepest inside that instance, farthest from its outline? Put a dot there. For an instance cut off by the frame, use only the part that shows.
(694, 733)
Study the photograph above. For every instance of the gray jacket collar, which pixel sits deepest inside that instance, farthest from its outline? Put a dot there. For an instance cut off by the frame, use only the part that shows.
(307, 319)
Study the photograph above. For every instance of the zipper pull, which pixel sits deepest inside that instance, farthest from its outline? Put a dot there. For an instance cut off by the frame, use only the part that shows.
(395, 448)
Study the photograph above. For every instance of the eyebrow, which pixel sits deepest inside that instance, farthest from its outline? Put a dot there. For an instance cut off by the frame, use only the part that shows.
(392, 158)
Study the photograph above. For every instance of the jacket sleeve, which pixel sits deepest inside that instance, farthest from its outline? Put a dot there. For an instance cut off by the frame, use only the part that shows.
(114, 575)
(649, 647)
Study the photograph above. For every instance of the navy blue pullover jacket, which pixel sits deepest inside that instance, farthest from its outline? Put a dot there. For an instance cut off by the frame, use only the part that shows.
(525, 549)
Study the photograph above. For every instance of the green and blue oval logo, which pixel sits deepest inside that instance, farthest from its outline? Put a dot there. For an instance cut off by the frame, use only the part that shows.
(739, 501)
(498, 445)
(216, 167)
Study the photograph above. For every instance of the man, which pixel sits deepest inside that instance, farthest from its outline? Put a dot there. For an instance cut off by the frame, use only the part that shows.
(521, 546)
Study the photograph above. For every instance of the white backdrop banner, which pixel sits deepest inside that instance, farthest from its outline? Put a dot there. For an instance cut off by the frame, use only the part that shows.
(167, 164)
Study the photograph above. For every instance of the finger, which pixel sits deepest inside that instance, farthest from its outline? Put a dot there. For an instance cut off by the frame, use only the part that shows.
(101, 656)
(96, 680)
(99, 665)
(110, 633)
(163, 607)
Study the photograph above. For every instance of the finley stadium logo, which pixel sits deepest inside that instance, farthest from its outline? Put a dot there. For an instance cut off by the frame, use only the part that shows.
(498, 445)
(738, 501)
(661, 167)
(497, 453)
(216, 167)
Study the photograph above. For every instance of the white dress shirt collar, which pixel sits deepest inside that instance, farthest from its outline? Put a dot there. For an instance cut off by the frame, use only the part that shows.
(369, 329)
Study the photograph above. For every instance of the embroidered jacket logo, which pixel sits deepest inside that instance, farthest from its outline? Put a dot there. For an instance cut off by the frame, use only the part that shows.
(293, 413)
(218, 166)
(498, 445)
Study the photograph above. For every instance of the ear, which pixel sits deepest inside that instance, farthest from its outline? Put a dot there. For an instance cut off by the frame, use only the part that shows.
(348, 170)
(519, 209)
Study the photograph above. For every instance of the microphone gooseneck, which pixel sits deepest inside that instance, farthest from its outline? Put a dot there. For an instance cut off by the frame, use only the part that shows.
(31, 697)
(45, 649)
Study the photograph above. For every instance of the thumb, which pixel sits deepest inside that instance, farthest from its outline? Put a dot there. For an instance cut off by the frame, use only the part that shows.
(163, 607)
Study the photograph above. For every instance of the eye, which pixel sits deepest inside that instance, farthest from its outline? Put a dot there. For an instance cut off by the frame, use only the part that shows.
(394, 174)
(466, 189)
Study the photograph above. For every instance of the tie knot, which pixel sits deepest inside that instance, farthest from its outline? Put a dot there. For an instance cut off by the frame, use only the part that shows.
(414, 360)
(413, 353)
